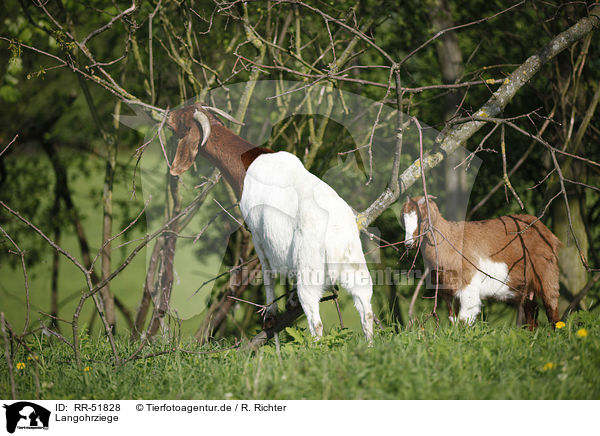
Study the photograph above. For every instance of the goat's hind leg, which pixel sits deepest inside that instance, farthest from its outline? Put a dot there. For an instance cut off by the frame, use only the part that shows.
(358, 283)
(470, 304)
(551, 306)
(530, 308)
(309, 296)
(550, 295)
(269, 282)
(449, 300)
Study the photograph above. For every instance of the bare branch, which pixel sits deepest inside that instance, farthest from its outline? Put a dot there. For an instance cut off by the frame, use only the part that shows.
(8, 357)
(459, 134)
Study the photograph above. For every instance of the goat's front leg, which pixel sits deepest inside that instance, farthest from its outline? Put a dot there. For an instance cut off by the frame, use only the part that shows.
(530, 309)
(359, 284)
(449, 300)
(470, 304)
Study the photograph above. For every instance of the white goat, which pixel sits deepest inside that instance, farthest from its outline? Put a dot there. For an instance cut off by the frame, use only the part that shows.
(511, 258)
(300, 226)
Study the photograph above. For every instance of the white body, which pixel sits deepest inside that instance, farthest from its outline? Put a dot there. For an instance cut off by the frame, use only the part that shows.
(301, 227)
(411, 222)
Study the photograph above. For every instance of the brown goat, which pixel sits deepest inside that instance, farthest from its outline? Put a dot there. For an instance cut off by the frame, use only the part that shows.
(220, 146)
(510, 258)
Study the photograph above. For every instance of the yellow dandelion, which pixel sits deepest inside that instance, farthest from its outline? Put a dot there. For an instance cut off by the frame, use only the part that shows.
(87, 368)
(548, 366)
(559, 325)
(20, 365)
(582, 333)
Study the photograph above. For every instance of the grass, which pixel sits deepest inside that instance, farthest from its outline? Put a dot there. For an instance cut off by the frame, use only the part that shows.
(421, 362)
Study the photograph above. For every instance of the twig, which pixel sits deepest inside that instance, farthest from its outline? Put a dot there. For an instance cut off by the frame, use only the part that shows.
(566, 198)
(9, 144)
(430, 226)
(282, 321)
(460, 26)
(506, 179)
(580, 296)
(520, 162)
(413, 300)
(109, 24)
(11, 376)
(180, 350)
(132, 223)
(227, 212)
(150, 51)
(337, 306)
(21, 254)
(457, 135)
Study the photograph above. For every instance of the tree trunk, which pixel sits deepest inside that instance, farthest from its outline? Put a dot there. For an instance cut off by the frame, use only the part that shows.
(573, 274)
(167, 256)
(107, 297)
(451, 66)
(149, 289)
(64, 193)
(111, 158)
(238, 283)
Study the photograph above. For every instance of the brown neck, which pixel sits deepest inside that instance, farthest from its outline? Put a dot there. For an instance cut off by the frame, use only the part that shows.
(231, 154)
(448, 238)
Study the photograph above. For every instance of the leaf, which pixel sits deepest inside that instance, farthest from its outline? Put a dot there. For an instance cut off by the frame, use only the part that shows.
(15, 66)
(296, 334)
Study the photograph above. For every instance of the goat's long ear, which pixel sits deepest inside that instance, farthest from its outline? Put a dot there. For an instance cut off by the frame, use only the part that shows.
(187, 149)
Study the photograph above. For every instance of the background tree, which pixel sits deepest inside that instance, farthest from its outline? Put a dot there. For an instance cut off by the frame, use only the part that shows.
(516, 83)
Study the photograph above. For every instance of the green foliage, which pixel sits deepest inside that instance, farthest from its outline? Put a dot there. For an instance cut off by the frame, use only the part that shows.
(44, 103)
(301, 337)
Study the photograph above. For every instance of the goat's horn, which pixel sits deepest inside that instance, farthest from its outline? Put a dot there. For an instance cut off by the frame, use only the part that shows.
(204, 123)
(223, 114)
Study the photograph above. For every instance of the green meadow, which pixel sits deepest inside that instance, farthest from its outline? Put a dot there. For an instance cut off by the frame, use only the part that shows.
(420, 362)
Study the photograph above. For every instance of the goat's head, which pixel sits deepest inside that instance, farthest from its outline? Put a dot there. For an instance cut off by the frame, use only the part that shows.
(191, 124)
(414, 215)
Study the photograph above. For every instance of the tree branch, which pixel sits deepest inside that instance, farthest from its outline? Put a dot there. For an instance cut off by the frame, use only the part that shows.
(459, 134)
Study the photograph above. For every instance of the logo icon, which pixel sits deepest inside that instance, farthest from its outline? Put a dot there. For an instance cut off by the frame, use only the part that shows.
(26, 415)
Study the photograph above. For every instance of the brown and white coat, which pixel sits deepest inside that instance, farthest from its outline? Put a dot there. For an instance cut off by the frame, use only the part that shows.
(509, 258)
